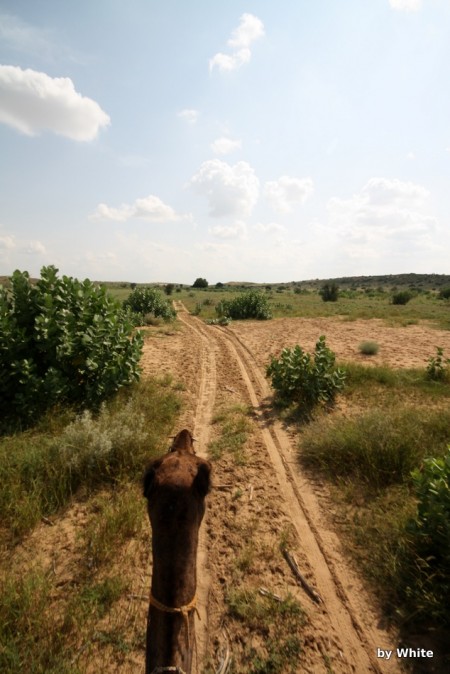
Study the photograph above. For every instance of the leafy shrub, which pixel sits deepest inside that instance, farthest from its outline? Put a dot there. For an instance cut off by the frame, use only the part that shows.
(402, 297)
(251, 304)
(306, 380)
(329, 292)
(437, 366)
(368, 348)
(142, 301)
(61, 340)
(444, 294)
(430, 532)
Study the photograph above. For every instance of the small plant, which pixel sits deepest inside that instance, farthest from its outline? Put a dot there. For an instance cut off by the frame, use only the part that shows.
(368, 348)
(223, 320)
(437, 366)
(306, 380)
(329, 292)
(402, 297)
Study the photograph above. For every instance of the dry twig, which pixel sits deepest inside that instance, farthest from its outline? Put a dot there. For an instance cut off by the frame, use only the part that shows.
(315, 596)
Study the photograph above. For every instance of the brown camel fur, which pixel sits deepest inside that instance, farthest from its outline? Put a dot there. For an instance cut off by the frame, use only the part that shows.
(175, 486)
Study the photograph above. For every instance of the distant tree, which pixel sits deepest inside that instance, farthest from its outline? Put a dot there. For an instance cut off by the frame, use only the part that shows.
(200, 283)
(329, 292)
(219, 285)
(132, 286)
(168, 288)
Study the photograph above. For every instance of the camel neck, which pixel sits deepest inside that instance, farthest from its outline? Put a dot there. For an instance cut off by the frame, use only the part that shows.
(174, 575)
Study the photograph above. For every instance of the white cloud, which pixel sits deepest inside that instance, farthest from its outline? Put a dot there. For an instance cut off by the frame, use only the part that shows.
(34, 248)
(268, 227)
(225, 145)
(7, 242)
(384, 215)
(21, 36)
(406, 5)
(250, 29)
(149, 208)
(189, 114)
(283, 193)
(381, 191)
(236, 231)
(32, 102)
(230, 190)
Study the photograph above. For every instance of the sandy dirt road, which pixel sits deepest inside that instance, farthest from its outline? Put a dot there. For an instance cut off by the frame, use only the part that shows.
(343, 631)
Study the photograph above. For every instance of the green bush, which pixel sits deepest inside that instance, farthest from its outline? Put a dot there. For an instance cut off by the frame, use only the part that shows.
(143, 301)
(61, 340)
(402, 297)
(329, 292)
(306, 380)
(430, 532)
(368, 348)
(444, 294)
(251, 304)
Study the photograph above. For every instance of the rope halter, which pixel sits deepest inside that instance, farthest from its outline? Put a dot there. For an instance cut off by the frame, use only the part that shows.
(182, 610)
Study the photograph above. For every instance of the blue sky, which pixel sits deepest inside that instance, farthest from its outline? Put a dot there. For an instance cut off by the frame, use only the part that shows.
(259, 140)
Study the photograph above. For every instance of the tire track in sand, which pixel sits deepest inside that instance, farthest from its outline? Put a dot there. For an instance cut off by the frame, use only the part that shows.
(202, 421)
(342, 594)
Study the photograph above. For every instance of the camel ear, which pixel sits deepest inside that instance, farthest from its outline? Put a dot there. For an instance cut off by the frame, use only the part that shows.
(202, 480)
(149, 479)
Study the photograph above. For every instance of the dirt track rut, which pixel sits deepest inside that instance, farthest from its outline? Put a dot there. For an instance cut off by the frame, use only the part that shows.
(344, 624)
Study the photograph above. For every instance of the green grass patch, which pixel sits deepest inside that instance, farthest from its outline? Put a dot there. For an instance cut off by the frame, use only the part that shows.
(37, 639)
(118, 516)
(42, 469)
(379, 447)
(276, 623)
(234, 430)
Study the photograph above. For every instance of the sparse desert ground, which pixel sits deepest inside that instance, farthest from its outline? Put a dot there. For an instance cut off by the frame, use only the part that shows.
(261, 503)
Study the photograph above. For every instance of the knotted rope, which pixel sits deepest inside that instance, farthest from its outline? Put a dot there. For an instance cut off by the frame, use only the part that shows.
(184, 611)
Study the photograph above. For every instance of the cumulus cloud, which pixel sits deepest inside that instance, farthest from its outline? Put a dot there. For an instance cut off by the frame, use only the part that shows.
(230, 190)
(189, 114)
(236, 231)
(225, 145)
(34, 248)
(268, 227)
(7, 242)
(406, 5)
(150, 208)
(250, 29)
(31, 102)
(284, 193)
(384, 210)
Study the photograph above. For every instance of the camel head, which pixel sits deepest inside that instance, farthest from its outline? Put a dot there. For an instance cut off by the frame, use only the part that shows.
(175, 487)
